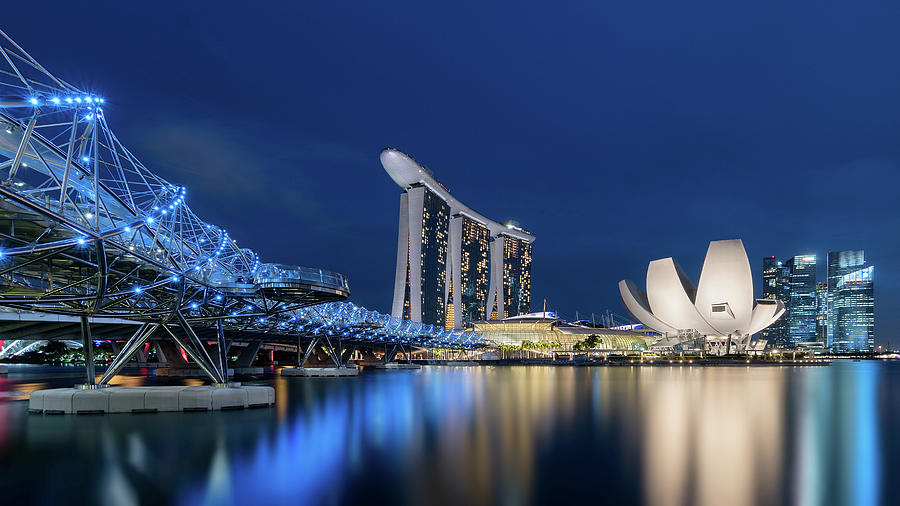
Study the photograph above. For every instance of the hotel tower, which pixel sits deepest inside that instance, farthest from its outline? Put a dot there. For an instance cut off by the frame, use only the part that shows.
(454, 266)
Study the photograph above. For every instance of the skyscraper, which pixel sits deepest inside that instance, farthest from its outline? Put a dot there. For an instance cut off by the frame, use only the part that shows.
(454, 265)
(776, 285)
(822, 315)
(851, 315)
(512, 294)
(801, 314)
(466, 296)
(424, 218)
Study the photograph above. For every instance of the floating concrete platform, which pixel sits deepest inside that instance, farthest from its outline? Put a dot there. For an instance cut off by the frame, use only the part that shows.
(4, 369)
(394, 365)
(190, 372)
(149, 399)
(320, 372)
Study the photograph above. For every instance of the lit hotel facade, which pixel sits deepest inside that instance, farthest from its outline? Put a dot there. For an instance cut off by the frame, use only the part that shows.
(454, 266)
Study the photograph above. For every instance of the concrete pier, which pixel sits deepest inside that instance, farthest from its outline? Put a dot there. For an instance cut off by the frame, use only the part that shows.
(149, 399)
(4, 369)
(195, 372)
(394, 366)
(320, 372)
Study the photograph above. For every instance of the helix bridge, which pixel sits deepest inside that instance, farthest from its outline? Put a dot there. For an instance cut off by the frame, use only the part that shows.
(88, 231)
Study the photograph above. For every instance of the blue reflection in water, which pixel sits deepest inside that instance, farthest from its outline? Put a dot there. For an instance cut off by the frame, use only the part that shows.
(837, 459)
(864, 466)
(484, 435)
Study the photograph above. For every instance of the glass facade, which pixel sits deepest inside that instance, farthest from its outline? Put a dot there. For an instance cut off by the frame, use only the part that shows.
(435, 221)
(851, 314)
(560, 335)
(801, 321)
(516, 276)
(776, 285)
(822, 315)
(474, 266)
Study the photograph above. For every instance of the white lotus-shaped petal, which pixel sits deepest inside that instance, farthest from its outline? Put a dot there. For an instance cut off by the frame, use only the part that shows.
(721, 305)
(671, 296)
(635, 300)
(765, 313)
(726, 277)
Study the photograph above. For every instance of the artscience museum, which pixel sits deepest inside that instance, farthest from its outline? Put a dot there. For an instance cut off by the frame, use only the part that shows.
(719, 314)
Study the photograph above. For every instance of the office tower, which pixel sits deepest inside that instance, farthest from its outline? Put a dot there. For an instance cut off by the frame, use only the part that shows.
(851, 315)
(822, 315)
(801, 323)
(776, 285)
(454, 266)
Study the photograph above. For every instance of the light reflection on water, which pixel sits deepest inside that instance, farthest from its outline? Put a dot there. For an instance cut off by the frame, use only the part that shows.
(475, 435)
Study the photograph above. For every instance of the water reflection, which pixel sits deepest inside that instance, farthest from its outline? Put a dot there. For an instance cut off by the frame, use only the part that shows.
(711, 436)
(838, 459)
(476, 435)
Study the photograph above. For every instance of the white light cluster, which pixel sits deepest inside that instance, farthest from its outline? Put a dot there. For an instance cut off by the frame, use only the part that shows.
(73, 100)
(164, 210)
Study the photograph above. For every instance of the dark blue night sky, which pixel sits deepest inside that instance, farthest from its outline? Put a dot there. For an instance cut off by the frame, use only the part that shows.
(618, 132)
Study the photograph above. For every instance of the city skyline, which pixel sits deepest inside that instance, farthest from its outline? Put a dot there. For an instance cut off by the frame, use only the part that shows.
(284, 253)
(569, 154)
(836, 314)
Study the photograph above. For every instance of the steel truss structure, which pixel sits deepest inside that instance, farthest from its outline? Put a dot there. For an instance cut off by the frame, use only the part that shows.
(88, 230)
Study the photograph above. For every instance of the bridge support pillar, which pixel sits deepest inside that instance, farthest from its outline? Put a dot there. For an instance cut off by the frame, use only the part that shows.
(245, 359)
(131, 347)
(309, 349)
(194, 349)
(222, 349)
(88, 348)
(389, 356)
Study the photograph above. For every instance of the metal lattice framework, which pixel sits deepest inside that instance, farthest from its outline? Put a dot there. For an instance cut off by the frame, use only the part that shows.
(359, 324)
(87, 229)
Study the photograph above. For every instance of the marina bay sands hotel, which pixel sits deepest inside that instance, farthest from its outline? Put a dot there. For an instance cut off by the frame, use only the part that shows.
(454, 266)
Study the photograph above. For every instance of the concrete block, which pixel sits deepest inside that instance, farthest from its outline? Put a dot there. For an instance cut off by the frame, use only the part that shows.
(258, 396)
(162, 398)
(58, 400)
(195, 399)
(126, 400)
(229, 398)
(90, 401)
(36, 401)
